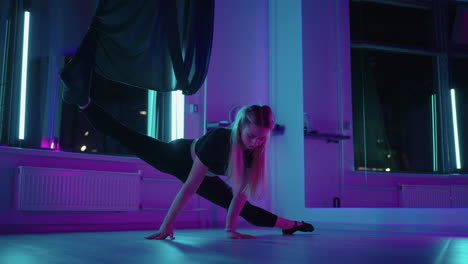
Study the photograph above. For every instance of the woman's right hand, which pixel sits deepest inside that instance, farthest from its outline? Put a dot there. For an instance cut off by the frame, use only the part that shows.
(163, 233)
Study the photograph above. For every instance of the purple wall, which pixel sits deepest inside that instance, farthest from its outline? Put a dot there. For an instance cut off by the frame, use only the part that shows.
(238, 73)
(320, 101)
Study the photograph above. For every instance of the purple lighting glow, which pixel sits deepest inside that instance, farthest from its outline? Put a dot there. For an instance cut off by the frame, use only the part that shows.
(50, 143)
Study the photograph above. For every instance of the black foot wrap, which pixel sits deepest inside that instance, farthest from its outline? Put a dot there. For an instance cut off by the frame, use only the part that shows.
(304, 227)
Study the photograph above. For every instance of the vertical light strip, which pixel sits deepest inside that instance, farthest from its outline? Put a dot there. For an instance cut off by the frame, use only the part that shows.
(5, 47)
(364, 126)
(24, 76)
(177, 111)
(455, 128)
(4, 64)
(435, 160)
(151, 122)
(177, 115)
(205, 98)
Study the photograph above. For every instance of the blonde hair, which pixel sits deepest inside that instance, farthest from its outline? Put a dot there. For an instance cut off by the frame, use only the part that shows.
(249, 181)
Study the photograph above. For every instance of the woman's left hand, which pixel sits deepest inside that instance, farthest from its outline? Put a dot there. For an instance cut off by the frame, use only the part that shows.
(237, 235)
(163, 233)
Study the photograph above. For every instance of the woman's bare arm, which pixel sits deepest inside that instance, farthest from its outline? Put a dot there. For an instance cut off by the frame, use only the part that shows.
(190, 187)
(197, 173)
(237, 203)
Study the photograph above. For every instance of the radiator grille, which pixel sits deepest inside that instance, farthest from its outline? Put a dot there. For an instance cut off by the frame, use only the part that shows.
(50, 189)
(459, 195)
(425, 196)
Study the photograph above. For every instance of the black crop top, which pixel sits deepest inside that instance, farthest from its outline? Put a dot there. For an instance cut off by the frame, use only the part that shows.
(213, 150)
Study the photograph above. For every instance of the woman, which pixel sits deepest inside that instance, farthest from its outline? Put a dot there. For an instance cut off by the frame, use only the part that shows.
(123, 41)
(238, 153)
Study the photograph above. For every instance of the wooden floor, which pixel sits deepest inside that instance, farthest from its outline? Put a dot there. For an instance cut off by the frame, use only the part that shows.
(210, 246)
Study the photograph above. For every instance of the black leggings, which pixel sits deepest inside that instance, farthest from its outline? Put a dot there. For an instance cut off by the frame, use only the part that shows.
(173, 158)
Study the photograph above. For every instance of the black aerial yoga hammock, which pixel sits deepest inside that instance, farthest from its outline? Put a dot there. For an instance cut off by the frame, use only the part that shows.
(162, 45)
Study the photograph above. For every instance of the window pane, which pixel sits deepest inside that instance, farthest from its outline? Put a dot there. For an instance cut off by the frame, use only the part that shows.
(3, 80)
(457, 26)
(56, 29)
(3, 30)
(400, 25)
(392, 111)
(451, 18)
(459, 82)
(127, 104)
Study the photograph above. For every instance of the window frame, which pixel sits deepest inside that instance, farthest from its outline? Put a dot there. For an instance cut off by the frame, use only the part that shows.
(441, 54)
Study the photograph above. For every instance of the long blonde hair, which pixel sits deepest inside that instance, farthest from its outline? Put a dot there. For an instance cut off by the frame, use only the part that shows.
(249, 181)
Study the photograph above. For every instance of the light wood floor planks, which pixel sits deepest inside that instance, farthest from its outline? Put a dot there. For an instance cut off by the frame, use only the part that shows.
(209, 246)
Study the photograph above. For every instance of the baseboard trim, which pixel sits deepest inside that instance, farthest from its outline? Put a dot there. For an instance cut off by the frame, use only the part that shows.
(462, 230)
(104, 227)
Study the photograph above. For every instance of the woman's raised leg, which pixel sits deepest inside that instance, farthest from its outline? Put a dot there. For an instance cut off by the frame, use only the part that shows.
(161, 155)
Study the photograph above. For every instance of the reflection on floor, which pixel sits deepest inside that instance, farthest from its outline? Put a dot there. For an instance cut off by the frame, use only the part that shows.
(210, 246)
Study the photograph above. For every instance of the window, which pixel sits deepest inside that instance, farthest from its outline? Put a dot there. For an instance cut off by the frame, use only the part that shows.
(459, 87)
(392, 111)
(3, 61)
(55, 30)
(398, 24)
(127, 104)
(409, 85)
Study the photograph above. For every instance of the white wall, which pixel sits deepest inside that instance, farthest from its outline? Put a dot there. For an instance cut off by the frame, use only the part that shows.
(286, 91)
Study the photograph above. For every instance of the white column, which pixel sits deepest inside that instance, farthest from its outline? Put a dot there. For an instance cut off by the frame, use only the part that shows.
(286, 152)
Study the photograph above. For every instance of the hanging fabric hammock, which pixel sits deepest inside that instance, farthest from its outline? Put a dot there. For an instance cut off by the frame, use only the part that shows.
(162, 45)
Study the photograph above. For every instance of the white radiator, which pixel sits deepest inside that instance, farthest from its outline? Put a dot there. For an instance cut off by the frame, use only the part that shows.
(459, 195)
(425, 196)
(50, 189)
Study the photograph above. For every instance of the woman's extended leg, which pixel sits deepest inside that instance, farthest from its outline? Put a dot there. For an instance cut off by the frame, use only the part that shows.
(161, 155)
(217, 191)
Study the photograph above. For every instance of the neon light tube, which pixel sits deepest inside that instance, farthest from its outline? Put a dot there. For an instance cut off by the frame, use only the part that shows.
(5, 47)
(177, 111)
(177, 115)
(435, 161)
(455, 128)
(24, 75)
(151, 131)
